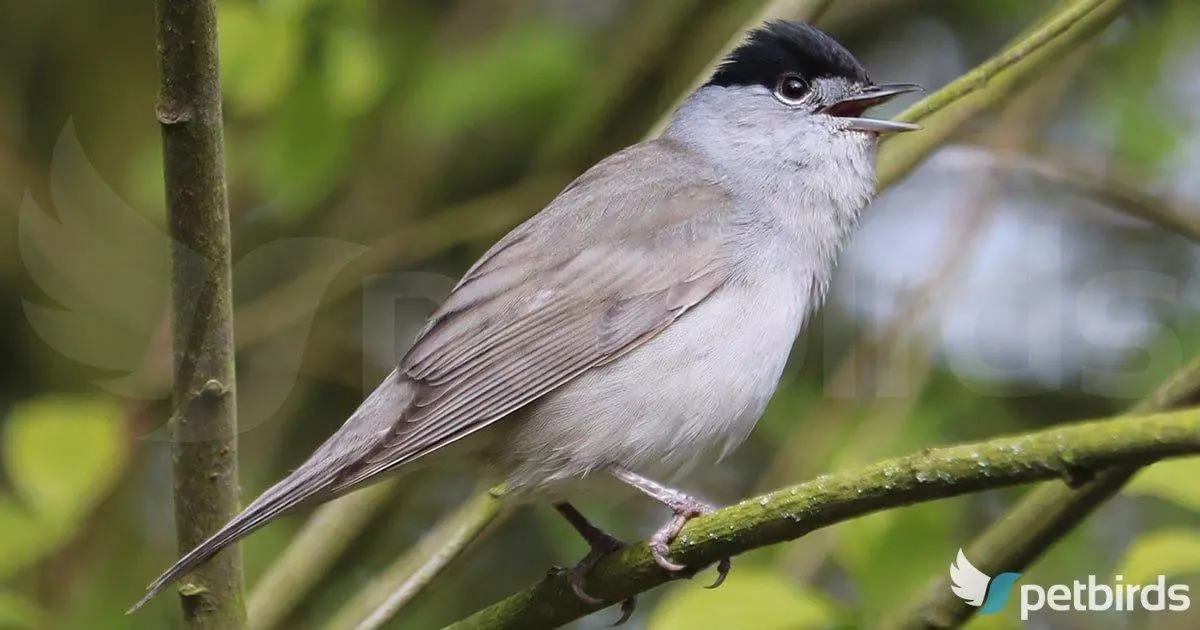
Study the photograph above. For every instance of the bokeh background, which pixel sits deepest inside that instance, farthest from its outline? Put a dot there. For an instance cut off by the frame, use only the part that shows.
(375, 148)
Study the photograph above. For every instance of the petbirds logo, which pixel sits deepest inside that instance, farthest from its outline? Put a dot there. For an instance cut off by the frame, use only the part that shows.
(977, 588)
(990, 594)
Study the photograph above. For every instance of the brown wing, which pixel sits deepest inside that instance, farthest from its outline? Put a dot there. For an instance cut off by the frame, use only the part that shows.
(546, 304)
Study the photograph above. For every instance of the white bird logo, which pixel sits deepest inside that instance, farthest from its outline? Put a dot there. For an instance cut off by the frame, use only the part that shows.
(967, 582)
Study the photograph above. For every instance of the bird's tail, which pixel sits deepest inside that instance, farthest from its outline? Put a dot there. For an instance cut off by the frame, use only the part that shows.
(315, 480)
(283, 496)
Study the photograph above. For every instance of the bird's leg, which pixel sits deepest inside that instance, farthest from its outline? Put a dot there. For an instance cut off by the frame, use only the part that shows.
(685, 509)
(601, 543)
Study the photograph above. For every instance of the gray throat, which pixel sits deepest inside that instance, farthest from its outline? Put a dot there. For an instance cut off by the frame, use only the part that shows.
(799, 184)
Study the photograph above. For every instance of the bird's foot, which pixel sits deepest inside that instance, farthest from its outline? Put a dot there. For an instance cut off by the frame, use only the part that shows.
(685, 508)
(601, 543)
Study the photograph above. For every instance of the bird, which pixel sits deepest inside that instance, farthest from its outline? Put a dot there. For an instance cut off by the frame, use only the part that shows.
(636, 327)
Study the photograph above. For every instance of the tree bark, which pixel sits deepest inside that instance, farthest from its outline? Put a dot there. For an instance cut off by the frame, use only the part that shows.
(204, 420)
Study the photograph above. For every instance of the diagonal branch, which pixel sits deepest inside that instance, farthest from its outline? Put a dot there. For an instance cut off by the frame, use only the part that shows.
(405, 578)
(945, 112)
(1112, 188)
(1043, 517)
(1068, 452)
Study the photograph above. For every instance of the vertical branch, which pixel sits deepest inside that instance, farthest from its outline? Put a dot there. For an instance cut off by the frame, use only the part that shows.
(204, 420)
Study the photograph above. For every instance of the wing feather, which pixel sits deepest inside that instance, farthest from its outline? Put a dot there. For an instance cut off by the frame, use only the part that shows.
(551, 301)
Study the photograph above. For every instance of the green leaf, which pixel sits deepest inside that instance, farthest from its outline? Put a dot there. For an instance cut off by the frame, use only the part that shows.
(860, 539)
(17, 611)
(514, 70)
(757, 600)
(1172, 552)
(1177, 481)
(354, 72)
(260, 55)
(306, 149)
(908, 542)
(24, 540)
(62, 454)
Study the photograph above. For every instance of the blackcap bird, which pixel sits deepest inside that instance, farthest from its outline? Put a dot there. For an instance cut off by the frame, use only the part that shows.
(637, 326)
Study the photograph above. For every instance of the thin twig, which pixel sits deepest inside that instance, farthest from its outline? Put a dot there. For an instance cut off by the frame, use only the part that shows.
(1052, 30)
(410, 574)
(204, 422)
(989, 85)
(306, 561)
(1110, 188)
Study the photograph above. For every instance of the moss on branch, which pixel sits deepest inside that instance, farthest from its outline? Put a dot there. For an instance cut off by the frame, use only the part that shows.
(1070, 453)
(1043, 517)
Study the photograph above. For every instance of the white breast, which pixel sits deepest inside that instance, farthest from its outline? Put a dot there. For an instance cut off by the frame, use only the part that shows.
(686, 397)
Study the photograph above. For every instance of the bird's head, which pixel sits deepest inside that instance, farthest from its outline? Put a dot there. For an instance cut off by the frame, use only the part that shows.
(791, 91)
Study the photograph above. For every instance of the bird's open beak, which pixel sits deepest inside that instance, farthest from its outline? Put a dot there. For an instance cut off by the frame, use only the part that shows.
(851, 108)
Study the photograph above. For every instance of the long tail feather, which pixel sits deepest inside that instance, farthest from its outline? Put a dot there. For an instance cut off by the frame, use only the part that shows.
(283, 496)
(317, 479)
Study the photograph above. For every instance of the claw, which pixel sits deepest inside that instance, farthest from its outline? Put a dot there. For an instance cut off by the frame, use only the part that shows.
(684, 507)
(600, 544)
(578, 573)
(627, 608)
(576, 581)
(722, 572)
(659, 552)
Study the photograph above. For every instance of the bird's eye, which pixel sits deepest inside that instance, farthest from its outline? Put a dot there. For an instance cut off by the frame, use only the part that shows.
(791, 89)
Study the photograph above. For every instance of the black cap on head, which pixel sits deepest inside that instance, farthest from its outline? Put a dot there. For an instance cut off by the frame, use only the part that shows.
(781, 47)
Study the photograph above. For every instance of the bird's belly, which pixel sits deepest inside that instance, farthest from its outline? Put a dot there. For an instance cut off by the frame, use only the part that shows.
(685, 397)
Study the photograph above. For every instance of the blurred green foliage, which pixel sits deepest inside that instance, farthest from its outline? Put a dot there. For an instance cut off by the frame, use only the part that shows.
(62, 456)
(760, 599)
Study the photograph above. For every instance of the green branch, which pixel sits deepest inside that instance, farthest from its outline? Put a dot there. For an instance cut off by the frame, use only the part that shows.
(1046, 35)
(204, 421)
(1113, 189)
(310, 554)
(412, 572)
(992, 83)
(1068, 452)
(1043, 517)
